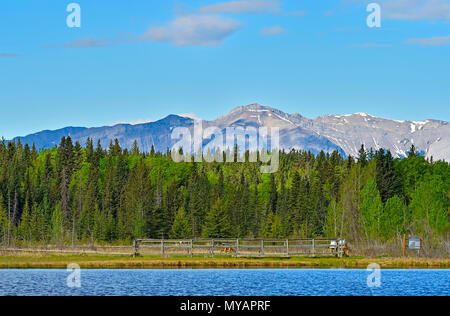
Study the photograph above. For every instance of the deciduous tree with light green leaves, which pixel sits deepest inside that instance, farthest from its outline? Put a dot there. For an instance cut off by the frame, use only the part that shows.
(371, 210)
(430, 207)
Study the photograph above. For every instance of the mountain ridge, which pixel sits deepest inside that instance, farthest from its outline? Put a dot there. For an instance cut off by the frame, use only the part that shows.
(345, 132)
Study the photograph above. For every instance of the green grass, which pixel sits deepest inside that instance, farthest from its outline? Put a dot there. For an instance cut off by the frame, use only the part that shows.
(91, 261)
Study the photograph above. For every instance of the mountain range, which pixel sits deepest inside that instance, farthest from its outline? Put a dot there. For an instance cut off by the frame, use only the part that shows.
(344, 133)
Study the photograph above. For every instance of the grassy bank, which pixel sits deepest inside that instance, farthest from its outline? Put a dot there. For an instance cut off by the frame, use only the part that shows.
(91, 261)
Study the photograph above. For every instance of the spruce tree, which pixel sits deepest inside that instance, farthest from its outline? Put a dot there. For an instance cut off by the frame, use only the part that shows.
(362, 159)
(217, 222)
(3, 223)
(181, 228)
(57, 226)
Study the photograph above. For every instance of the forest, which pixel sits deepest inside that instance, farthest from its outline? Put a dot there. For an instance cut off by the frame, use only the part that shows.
(73, 194)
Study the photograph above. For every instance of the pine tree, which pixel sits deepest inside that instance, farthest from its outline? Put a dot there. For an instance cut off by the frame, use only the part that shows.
(181, 228)
(217, 223)
(152, 151)
(38, 224)
(412, 151)
(387, 180)
(25, 228)
(135, 150)
(362, 159)
(100, 222)
(273, 198)
(3, 223)
(57, 226)
(274, 227)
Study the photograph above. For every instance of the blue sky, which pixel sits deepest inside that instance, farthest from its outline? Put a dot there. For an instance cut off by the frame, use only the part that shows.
(143, 59)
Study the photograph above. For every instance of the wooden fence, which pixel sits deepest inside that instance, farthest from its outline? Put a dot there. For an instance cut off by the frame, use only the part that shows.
(239, 247)
(205, 247)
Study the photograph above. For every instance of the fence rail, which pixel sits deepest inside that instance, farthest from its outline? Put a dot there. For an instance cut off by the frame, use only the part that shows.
(99, 250)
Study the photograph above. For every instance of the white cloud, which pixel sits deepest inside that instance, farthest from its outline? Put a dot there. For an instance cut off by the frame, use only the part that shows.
(431, 41)
(274, 30)
(193, 30)
(206, 28)
(249, 6)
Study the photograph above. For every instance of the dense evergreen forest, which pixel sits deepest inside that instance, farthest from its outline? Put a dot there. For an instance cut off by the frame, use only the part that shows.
(73, 194)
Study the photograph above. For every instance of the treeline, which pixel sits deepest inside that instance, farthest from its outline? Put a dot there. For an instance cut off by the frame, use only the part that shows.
(73, 194)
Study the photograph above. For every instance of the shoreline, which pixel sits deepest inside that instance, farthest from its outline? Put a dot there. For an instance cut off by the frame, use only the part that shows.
(90, 261)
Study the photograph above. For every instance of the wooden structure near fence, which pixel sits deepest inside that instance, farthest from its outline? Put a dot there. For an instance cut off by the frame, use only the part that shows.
(240, 247)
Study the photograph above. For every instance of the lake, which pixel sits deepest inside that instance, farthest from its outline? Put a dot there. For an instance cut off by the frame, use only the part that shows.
(225, 282)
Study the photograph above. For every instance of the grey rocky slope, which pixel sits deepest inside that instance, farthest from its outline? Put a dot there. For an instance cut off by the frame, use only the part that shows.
(344, 133)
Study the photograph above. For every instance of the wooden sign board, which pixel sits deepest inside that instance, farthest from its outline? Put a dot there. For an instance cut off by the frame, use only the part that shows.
(414, 243)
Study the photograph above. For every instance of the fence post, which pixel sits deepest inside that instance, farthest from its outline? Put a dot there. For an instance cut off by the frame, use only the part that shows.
(262, 247)
(162, 247)
(287, 247)
(313, 247)
(237, 247)
(136, 253)
(191, 248)
(212, 247)
(404, 245)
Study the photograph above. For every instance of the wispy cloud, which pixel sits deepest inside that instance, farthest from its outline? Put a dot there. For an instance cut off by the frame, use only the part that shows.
(417, 9)
(190, 115)
(193, 30)
(86, 42)
(368, 45)
(137, 122)
(8, 55)
(293, 13)
(249, 6)
(431, 41)
(273, 30)
(346, 29)
(189, 30)
(412, 9)
(207, 27)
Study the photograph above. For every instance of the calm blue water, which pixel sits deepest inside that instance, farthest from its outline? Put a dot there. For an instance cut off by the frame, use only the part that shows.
(225, 282)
